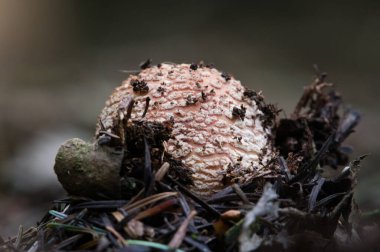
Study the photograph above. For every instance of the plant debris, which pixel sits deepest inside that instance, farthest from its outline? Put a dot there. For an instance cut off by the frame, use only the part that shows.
(239, 112)
(140, 86)
(298, 209)
(146, 64)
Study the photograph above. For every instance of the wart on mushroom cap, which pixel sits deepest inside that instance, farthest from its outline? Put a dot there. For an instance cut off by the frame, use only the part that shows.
(219, 133)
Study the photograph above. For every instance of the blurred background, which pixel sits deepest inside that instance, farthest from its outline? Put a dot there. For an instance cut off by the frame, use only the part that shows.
(60, 60)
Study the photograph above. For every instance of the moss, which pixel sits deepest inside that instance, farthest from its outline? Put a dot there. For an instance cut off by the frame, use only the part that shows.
(85, 170)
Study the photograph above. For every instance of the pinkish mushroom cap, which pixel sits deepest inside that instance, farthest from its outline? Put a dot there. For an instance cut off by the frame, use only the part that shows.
(218, 130)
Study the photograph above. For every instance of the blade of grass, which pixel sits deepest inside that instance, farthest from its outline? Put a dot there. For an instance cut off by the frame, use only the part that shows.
(58, 215)
(152, 245)
(93, 232)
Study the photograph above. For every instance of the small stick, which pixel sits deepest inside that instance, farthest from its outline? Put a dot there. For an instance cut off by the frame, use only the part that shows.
(19, 236)
(147, 100)
(196, 199)
(315, 87)
(160, 174)
(371, 214)
(156, 209)
(148, 175)
(241, 194)
(284, 168)
(126, 104)
(111, 229)
(146, 64)
(181, 232)
(130, 104)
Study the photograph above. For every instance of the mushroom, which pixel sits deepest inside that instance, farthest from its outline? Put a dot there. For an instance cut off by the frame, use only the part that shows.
(219, 131)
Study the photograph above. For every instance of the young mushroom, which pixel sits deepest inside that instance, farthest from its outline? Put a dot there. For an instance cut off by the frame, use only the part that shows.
(220, 131)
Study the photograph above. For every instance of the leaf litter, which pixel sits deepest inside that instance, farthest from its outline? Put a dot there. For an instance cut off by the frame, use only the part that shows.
(300, 209)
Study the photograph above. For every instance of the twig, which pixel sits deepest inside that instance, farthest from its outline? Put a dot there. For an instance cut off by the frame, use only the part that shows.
(111, 229)
(148, 175)
(315, 87)
(156, 209)
(160, 174)
(67, 242)
(335, 213)
(291, 211)
(371, 214)
(147, 100)
(143, 202)
(181, 232)
(202, 203)
(309, 169)
(284, 168)
(145, 64)
(315, 192)
(19, 236)
(186, 209)
(241, 194)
